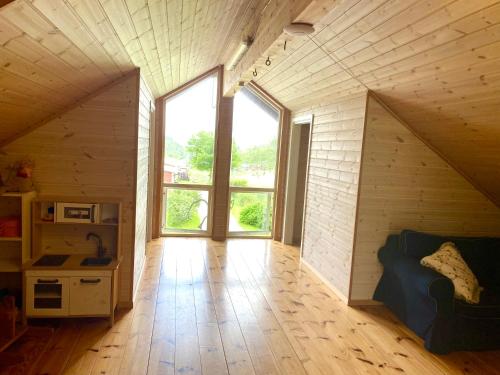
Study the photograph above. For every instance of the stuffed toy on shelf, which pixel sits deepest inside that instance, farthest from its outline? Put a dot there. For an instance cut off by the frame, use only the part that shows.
(18, 178)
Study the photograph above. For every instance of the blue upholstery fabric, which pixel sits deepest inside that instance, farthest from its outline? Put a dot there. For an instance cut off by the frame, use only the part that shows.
(424, 299)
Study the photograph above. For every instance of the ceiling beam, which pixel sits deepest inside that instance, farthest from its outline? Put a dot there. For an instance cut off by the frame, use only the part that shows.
(276, 15)
(5, 2)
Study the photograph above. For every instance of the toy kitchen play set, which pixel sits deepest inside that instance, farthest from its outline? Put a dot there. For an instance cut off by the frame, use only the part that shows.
(68, 250)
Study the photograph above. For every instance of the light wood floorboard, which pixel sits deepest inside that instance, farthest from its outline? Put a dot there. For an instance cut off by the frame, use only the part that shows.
(244, 307)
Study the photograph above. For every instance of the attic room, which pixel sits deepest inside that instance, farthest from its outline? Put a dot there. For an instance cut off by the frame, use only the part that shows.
(249, 187)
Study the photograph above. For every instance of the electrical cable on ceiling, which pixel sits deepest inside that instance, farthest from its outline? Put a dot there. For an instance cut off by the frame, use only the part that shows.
(337, 61)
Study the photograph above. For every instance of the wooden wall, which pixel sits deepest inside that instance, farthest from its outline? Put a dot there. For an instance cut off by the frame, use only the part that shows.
(332, 188)
(90, 151)
(406, 185)
(146, 105)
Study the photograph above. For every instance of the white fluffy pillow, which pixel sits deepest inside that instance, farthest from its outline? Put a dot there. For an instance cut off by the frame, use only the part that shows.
(448, 262)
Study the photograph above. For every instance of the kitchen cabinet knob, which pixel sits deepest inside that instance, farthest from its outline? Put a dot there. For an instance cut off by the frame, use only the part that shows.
(90, 281)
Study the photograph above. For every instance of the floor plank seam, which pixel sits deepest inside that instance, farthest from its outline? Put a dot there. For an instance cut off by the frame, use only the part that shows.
(276, 316)
(156, 302)
(246, 294)
(244, 307)
(217, 318)
(195, 313)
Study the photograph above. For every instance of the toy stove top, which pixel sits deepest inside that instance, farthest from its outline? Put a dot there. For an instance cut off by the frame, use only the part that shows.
(51, 260)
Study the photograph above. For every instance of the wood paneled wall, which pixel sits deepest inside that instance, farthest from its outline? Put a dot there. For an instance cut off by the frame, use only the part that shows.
(90, 151)
(406, 185)
(332, 188)
(145, 109)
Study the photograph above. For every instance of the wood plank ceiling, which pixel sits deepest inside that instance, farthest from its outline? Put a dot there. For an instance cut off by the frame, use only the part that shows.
(54, 52)
(436, 63)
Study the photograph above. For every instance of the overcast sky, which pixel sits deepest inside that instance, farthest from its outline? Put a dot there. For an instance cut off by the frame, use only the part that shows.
(191, 112)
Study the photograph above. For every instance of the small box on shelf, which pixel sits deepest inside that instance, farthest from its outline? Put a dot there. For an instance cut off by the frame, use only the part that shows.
(109, 213)
(47, 212)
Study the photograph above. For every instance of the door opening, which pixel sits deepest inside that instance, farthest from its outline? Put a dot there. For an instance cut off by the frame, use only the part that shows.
(296, 182)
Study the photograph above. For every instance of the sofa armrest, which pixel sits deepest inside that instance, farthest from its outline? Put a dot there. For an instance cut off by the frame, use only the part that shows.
(390, 251)
(424, 282)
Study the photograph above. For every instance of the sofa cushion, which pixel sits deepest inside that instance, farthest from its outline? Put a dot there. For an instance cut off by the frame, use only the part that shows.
(448, 262)
(484, 261)
(417, 244)
(488, 307)
(482, 254)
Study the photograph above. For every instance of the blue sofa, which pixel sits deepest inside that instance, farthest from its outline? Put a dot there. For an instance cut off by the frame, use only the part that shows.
(424, 299)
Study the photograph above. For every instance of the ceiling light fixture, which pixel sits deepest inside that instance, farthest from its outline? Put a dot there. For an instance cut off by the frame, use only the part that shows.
(238, 55)
(299, 29)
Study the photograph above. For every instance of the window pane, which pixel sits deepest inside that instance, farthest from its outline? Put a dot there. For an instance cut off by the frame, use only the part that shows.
(185, 210)
(251, 213)
(255, 136)
(189, 134)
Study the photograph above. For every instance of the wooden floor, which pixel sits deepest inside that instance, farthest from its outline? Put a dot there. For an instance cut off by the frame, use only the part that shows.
(244, 307)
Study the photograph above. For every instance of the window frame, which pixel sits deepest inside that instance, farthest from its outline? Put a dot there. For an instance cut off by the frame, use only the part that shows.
(257, 91)
(215, 72)
(187, 232)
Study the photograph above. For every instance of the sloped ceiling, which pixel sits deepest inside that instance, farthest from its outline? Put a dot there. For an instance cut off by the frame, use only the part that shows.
(54, 52)
(436, 63)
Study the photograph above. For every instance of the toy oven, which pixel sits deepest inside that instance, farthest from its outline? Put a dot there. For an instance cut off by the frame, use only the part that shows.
(77, 213)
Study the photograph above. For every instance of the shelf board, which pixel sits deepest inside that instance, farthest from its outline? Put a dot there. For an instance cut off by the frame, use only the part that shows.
(10, 265)
(11, 195)
(11, 239)
(40, 222)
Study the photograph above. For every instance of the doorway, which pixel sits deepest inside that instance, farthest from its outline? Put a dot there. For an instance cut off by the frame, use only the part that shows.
(297, 181)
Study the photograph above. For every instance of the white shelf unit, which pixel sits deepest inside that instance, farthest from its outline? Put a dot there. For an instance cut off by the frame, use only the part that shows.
(14, 251)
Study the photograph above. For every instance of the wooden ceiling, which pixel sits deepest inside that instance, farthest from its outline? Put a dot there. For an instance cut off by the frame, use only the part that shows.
(54, 52)
(436, 63)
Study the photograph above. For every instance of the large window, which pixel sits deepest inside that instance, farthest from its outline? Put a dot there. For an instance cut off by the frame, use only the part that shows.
(253, 165)
(190, 123)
